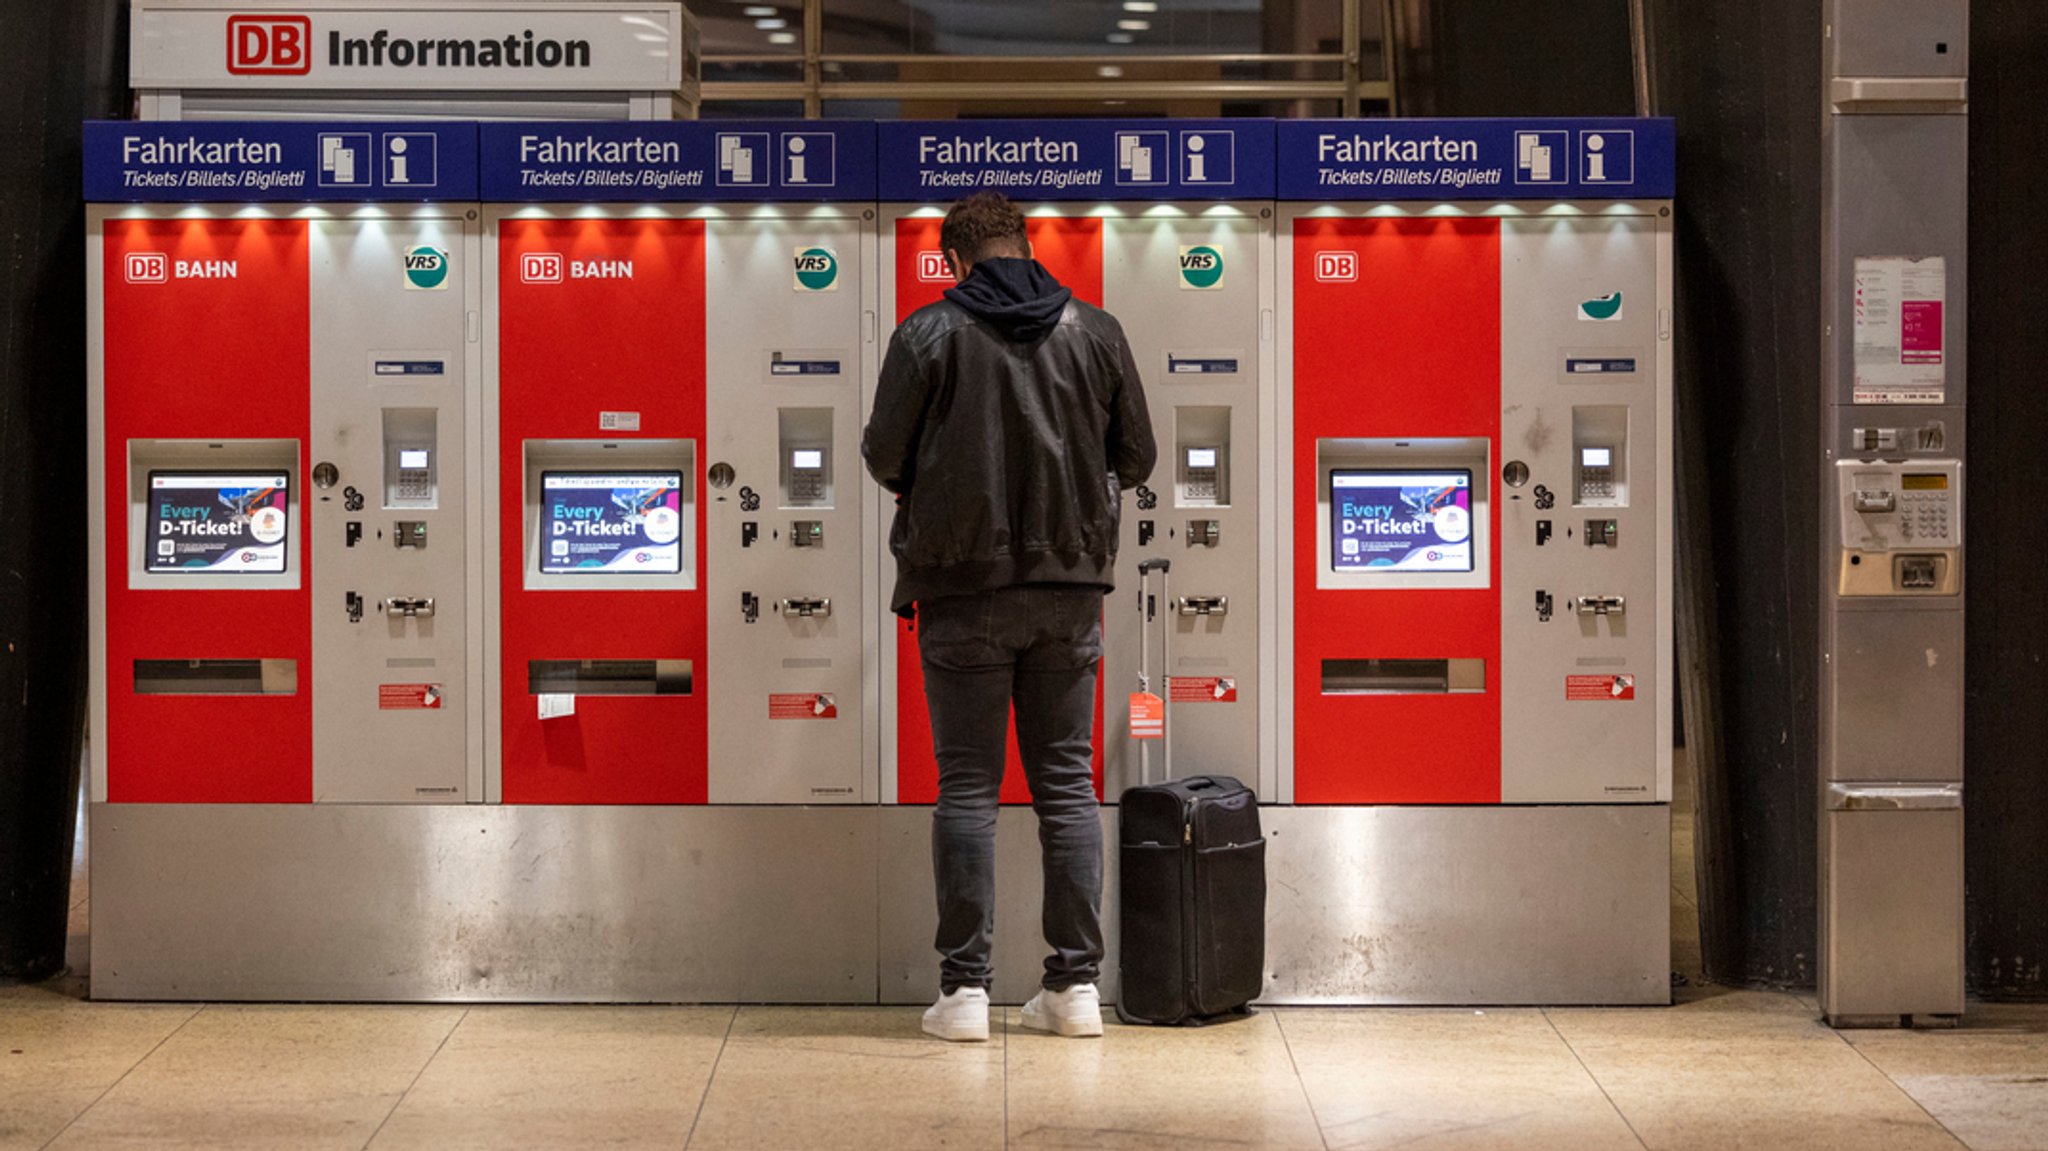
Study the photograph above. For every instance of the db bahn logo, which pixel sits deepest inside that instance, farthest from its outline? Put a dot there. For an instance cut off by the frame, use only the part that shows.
(931, 268)
(158, 268)
(540, 267)
(148, 268)
(1336, 267)
(270, 45)
(817, 270)
(426, 268)
(1201, 268)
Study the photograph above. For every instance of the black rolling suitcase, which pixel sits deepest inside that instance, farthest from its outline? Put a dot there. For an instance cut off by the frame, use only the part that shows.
(1192, 866)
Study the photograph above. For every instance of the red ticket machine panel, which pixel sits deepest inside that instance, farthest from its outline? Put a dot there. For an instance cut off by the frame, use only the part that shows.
(1071, 249)
(1396, 342)
(208, 622)
(601, 408)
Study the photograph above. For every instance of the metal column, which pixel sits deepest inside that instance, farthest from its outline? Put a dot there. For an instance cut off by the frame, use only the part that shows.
(1894, 205)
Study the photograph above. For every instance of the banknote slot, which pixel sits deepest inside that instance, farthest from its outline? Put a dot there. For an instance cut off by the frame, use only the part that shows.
(216, 677)
(609, 676)
(1403, 676)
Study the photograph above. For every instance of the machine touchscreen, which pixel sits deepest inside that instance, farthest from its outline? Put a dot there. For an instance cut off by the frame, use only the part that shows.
(217, 522)
(1400, 521)
(628, 523)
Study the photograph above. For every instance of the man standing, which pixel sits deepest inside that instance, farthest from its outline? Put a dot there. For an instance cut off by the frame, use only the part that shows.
(1008, 420)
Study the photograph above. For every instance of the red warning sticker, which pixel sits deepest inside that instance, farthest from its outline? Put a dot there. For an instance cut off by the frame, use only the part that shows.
(1599, 687)
(409, 697)
(802, 705)
(1202, 689)
(1148, 716)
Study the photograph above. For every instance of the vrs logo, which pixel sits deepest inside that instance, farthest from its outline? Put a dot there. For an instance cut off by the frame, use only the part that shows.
(426, 268)
(270, 45)
(540, 267)
(1201, 268)
(817, 270)
(157, 268)
(931, 268)
(1336, 267)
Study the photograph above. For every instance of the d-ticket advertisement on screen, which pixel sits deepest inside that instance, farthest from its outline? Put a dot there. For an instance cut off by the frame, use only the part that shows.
(603, 523)
(1382, 521)
(218, 522)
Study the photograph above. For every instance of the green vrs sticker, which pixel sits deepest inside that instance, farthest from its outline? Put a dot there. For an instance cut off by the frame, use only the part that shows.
(817, 270)
(426, 268)
(1600, 310)
(1201, 268)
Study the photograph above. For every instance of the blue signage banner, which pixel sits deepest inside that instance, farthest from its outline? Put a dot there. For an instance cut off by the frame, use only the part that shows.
(1580, 159)
(742, 160)
(278, 161)
(1077, 159)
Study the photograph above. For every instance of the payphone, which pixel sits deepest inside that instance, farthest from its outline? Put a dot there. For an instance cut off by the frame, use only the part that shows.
(1894, 400)
(676, 394)
(1165, 229)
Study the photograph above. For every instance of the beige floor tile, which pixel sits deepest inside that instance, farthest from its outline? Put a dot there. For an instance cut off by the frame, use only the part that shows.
(851, 1077)
(1986, 1081)
(58, 1054)
(563, 1076)
(269, 1077)
(1448, 1079)
(1229, 1085)
(1743, 1070)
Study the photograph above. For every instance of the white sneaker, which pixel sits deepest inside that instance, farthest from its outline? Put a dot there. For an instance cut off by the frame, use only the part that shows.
(960, 1016)
(1075, 1013)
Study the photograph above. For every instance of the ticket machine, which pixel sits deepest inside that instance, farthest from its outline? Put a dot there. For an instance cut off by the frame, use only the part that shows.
(678, 318)
(1166, 227)
(1476, 435)
(282, 471)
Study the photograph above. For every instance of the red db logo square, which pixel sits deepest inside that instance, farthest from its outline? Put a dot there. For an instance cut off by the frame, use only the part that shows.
(1336, 267)
(270, 45)
(148, 268)
(931, 268)
(540, 267)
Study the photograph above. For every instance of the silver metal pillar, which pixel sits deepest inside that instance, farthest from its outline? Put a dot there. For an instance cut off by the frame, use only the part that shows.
(1894, 206)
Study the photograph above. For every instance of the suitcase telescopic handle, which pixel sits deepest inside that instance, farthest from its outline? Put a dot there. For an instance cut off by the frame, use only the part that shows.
(1146, 615)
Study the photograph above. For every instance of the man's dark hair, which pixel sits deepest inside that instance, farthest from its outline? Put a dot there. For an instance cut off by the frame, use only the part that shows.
(983, 226)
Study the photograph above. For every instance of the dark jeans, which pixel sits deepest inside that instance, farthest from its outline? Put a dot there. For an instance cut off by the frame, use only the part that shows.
(1037, 648)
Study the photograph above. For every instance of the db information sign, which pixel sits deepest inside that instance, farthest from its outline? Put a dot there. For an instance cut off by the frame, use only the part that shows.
(385, 44)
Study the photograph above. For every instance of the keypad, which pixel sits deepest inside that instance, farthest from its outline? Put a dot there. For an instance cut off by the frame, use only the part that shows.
(1924, 515)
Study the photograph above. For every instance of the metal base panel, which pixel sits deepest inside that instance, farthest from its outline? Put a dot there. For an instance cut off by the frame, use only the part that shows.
(1392, 905)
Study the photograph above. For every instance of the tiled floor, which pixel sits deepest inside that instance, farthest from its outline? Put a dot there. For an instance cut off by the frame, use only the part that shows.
(1720, 1069)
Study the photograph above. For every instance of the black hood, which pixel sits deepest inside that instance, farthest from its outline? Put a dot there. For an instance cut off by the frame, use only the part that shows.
(1017, 297)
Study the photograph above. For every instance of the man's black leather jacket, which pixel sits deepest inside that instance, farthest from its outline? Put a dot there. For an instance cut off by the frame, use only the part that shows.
(1007, 455)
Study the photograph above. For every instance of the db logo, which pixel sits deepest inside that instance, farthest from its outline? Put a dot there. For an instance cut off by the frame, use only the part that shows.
(540, 267)
(148, 268)
(1336, 267)
(931, 268)
(270, 45)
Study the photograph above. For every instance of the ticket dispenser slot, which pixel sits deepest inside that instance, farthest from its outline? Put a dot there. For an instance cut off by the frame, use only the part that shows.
(411, 458)
(1600, 456)
(1902, 527)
